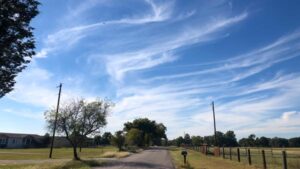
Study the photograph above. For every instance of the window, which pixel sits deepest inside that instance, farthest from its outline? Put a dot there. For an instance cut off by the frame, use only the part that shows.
(2, 140)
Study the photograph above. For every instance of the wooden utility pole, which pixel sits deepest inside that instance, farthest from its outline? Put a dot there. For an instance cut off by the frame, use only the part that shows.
(215, 131)
(54, 127)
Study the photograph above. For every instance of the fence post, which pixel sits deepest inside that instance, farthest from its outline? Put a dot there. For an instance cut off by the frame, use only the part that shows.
(249, 157)
(264, 159)
(284, 163)
(223, 152)
(238, 154)
(230, 153)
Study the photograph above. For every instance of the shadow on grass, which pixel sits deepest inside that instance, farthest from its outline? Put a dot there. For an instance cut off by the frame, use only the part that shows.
(187, 166)
(80, 164)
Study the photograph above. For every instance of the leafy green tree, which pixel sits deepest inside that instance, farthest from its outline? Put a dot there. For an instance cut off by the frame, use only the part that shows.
(243, 142)
(209, 140)
(294, 142)
(187, 139)
(152, 132)
(179, 141)
(220, 139)
(262, 142)
(118, 140)
(78, 119)
(97, 140)
(230, 139)
(279, 142)
(16, 39)
(197, 140)
(134, 137)
(251, 140)
(106, 138)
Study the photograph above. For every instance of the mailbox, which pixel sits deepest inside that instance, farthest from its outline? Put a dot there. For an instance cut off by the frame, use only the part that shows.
(184, 153)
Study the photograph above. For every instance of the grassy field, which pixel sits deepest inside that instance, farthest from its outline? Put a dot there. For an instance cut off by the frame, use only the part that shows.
(273, 157)
(197, 160)
(38, 158)
(58, 153)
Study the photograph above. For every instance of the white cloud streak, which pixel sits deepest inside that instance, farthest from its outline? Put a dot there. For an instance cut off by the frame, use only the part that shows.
(67, 37)
(119, 64)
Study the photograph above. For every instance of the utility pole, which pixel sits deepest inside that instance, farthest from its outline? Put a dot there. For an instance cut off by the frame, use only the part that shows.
(54, 127)
(215, 131)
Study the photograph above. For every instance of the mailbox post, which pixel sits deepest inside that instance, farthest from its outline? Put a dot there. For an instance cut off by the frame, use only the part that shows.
(184, 154)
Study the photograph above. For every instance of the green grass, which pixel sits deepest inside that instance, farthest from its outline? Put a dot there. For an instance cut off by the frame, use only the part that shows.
(273, 157)
(84, 164)
(58, 153)
(197, 160)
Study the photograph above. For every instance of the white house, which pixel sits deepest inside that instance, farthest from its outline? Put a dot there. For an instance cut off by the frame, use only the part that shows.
(15, 140)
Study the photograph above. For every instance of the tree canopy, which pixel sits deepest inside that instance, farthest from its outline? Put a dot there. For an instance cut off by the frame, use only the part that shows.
(146, 131)
(118, 139)
(78, 119)
(229, 140)
(16, 39)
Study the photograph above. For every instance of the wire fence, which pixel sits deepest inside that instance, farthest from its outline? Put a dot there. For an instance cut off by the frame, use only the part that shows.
(266, 158)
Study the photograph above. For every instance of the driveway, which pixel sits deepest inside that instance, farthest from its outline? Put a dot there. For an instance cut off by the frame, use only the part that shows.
(154, 158)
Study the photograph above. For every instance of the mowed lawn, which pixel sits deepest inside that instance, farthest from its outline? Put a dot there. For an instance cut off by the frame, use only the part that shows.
(197, 160)
(58, 153)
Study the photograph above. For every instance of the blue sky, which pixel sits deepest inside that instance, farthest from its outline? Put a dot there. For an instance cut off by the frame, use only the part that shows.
(166, 60)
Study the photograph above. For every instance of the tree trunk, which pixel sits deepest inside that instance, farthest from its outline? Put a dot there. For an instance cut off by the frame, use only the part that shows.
(75, 153)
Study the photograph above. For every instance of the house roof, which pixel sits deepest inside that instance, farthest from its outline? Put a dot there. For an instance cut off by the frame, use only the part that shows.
(20, 135)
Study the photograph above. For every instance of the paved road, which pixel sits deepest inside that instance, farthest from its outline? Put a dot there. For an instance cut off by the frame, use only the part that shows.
(154, 158)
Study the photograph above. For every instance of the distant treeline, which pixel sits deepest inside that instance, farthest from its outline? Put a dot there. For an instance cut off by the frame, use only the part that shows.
(228, 139)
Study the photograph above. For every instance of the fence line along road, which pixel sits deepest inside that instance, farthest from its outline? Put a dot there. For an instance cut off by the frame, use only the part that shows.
(275, 158)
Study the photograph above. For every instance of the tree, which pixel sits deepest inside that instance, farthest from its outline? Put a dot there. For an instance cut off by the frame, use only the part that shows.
(179, 141)
(251, 140)
(16, 39)
(220, 139)
(152, 132)
(230, 139)
(187, 139)
(134, 137)
(209, 140)
(118, 140)
(78, 119)
(97, 140)
(262, 142)
(197, 140)
(279, 142)
(106, 138)
(294, 142)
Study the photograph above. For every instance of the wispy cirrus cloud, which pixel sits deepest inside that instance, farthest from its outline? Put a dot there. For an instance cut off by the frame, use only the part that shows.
(67, 37)
(167, 60)
(175, 96)
(286, 47)
(146, 57)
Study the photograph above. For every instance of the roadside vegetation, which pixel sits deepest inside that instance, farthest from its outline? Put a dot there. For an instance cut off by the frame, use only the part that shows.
(58, 153)
(197, 160)
(78, 119)
(74, 164)
(228, 139)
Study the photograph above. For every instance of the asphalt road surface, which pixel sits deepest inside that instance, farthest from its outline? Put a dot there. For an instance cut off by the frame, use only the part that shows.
(154, 158)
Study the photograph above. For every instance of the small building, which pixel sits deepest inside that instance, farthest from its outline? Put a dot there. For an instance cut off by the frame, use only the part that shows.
(16, 140)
